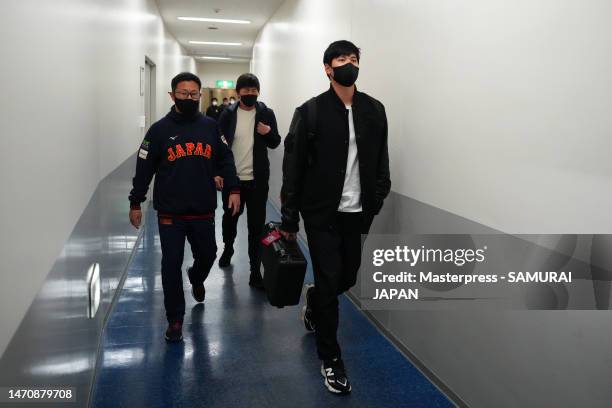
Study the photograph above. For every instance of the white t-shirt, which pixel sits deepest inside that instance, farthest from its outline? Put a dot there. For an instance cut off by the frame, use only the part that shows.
(351, 192)
(242, 147)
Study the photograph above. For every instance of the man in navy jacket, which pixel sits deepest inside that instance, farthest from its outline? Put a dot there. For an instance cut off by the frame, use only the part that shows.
(185, 152)
(249, 128)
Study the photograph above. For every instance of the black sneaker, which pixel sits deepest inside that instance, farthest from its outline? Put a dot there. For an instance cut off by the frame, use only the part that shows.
(306, 314)
(334, 373)
(256, 281)
(226, 257)
(197, 291)
(174, 332)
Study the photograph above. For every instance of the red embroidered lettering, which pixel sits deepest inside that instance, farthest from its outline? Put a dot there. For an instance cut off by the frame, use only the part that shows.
(179, 151)
(171, 156)
(199, 151)
(190, 148)
(208, 151)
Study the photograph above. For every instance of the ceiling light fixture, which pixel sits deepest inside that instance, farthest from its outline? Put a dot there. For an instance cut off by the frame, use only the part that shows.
(214, 20)
(215, 58)
(213, 43)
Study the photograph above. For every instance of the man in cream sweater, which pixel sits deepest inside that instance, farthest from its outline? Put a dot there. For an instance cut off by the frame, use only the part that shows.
(249, 129)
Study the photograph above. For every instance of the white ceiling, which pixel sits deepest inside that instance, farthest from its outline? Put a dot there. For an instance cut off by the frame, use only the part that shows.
(256, 11)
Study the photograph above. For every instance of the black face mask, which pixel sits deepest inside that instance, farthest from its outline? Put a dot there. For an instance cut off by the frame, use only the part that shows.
(248, 100)
(187, 107)
(346, 75)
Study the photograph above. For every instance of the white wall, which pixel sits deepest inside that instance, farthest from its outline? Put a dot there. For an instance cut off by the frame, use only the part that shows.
(70, 80)
(497, 112)
(209, 72)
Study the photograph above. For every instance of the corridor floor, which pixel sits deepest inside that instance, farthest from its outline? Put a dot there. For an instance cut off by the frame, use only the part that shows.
(239, 351)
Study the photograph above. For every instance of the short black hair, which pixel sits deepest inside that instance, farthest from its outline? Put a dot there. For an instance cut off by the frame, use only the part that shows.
(214, 99)
(185, 76)
(339, 48)
(247, 80)
(225, 99)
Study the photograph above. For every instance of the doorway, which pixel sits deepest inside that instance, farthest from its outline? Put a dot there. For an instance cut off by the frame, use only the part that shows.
(219, 93)
(149, 93)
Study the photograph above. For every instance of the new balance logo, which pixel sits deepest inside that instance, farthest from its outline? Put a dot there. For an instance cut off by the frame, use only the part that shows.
(329, 371)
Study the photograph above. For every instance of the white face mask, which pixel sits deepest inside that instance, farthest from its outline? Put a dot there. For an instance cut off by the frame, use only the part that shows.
(232, 100)
(214, 103)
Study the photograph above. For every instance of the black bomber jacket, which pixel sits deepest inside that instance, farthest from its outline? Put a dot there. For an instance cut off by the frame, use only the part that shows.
(314, 163)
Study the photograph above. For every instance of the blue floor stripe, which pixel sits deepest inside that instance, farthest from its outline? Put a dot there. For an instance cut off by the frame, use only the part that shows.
(238, 350)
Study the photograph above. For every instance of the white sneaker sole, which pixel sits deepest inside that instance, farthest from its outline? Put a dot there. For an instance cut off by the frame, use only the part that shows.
(173, 341)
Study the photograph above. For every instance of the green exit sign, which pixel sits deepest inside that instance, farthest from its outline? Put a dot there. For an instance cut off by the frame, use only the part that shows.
(225, 84)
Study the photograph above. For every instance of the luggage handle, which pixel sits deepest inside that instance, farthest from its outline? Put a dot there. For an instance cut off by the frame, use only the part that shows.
(273, 237)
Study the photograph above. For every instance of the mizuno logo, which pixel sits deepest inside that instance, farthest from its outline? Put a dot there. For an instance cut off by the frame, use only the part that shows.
(173, 137)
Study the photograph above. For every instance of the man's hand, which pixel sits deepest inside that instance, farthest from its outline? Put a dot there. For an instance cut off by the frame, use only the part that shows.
(135, 217)
(233, 203)
(263, 129)
(289, 236)
(219, 183)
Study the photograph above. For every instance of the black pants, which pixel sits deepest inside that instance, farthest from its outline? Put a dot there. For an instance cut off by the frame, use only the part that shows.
(336, 257)
(172, 233)
(254, 196)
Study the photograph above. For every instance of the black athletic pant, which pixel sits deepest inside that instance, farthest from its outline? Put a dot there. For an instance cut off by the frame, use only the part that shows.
(254, 196)
(172, 233)
(336, 257)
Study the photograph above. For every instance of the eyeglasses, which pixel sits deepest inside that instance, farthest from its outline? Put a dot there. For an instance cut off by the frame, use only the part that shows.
(182, 94)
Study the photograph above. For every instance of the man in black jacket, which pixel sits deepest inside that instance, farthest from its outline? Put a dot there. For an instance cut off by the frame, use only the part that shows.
(185, 152)
(249, 128)
(214, 110)
(336, 174)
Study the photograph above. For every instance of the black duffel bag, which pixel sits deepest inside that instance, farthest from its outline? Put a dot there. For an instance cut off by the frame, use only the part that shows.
(284, 267)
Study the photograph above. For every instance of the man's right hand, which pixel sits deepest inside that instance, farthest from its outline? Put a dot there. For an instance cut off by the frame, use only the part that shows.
(135, 217)
(289, 236)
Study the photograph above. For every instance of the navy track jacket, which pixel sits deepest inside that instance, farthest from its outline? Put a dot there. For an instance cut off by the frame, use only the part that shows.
(185, 154)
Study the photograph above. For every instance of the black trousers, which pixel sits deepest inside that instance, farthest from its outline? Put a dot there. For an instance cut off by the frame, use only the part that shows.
(254, 196)
(336, 257)
(172, 233)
